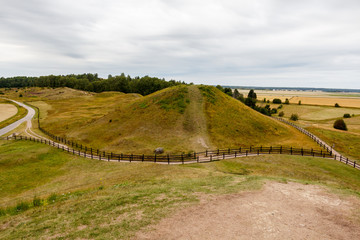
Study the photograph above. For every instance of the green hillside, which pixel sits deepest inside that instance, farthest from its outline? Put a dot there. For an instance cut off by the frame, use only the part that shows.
(179, 119)
(230, 123)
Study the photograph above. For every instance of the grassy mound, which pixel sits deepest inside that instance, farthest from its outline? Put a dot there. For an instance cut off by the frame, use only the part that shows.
(231, 124)
(161, 119)
(179, 119)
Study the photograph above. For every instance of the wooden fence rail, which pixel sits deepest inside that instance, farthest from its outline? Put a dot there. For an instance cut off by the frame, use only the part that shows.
(205, 156)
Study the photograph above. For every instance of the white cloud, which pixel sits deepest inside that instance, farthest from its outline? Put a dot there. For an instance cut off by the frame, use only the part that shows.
(260, 42)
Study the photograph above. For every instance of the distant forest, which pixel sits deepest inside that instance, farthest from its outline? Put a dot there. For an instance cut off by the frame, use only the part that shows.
(91, 82)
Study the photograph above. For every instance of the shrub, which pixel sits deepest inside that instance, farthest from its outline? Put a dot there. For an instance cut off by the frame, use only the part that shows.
(280, 107)
(287, 101)
(37, 202)
(294, 117)
(20, 95)
(340, 124)
(281, 114)
(276, 101)
(347, 115)
(299, 102)
(337, 105)
(273, 111)
(22, 206)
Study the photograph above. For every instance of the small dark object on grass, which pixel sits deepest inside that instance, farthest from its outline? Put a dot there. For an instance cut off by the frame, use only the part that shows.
(340, 124)
(337, 105)
(347, 115)
(294, 117)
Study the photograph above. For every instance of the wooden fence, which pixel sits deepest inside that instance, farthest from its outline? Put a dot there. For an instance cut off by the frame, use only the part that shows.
(205, 156)
(200, 157)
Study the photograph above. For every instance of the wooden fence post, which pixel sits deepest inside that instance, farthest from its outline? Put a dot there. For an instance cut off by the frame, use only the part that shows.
(354, 164)
(168, 158)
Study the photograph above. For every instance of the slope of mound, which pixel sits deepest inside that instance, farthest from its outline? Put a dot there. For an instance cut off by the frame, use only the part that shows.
(178, 119)
(230, 123)
(171, 118)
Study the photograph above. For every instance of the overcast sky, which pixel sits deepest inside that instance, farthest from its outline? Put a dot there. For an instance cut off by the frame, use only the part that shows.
(293, 43)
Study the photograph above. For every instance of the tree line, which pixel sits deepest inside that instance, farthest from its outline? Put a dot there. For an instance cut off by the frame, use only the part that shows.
(92, 82)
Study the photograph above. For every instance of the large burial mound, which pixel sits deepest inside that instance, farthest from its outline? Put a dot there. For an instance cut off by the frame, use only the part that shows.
(179, 119)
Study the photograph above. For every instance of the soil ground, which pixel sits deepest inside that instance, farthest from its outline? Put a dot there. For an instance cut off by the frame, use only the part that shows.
(7, 111)
(278, 211)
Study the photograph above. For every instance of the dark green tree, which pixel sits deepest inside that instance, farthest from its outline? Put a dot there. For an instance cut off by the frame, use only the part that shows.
(340, 124)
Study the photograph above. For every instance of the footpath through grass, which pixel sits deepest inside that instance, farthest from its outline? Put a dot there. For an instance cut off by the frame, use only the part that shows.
(47, 193)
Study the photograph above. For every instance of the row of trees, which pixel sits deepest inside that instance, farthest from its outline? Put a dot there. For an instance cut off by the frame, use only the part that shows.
(91, 82)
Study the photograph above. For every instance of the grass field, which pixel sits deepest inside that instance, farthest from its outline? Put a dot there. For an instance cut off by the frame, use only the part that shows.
(314, 113)
(345, 142)
(179, 119)
(20, 113)
(81, 198)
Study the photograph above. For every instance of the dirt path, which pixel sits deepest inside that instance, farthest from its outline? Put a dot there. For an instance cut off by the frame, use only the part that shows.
(278, 211)
(195, 119)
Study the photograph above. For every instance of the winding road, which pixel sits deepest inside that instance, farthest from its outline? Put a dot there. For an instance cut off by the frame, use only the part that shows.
(27, 118)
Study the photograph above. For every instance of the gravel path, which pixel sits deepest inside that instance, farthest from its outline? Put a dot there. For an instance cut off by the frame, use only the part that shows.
(27, 118)
(278, 211)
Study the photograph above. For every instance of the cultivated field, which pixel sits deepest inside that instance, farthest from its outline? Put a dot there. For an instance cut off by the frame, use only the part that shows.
(310, 97)
(7, 111)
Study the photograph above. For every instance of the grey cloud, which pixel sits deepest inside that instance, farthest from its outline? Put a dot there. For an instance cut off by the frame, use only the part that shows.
(263, 42)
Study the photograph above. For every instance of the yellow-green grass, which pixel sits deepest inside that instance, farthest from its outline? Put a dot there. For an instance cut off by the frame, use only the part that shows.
(21, 112)
(64, 116)
(179, 119)
(345, 142)
(38, 94)
(231, 124)
(157, 120)
(77, 198)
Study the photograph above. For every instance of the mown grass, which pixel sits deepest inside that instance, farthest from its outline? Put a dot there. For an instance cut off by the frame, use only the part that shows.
(345, 142)
(83, 198)
(20, 114)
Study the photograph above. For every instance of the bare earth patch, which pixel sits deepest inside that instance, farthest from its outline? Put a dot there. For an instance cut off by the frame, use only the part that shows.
(7, 111)
(278, 211)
